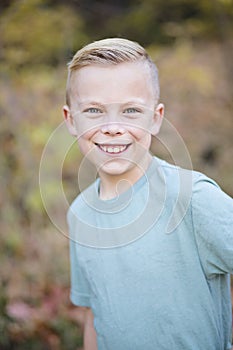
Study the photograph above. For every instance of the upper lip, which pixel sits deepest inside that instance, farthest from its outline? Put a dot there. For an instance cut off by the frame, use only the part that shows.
(111, 144)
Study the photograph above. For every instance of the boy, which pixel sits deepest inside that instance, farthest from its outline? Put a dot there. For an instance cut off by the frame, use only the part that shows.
(141, 287)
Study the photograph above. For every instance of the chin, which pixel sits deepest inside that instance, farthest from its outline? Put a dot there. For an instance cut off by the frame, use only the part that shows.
(116, 168)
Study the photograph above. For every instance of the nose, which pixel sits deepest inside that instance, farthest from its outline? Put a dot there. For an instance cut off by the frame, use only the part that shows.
(112, 127)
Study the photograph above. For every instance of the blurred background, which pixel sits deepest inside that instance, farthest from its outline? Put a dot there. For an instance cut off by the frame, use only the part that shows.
(191, 43)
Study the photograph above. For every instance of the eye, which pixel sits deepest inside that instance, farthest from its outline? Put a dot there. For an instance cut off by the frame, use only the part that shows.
(131, 110)
(93, 110)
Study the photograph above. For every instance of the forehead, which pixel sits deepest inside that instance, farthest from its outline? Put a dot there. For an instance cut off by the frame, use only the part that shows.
(112, 83)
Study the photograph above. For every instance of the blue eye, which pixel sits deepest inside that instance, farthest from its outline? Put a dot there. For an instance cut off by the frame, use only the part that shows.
(93, 110)
(131, 110)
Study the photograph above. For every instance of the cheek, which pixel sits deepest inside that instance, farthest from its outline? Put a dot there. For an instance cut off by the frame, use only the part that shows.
(141, 134)
(83, 146)
(85, 131)
(84, 141)
(146, 141)
(140, 127)
(84, 127)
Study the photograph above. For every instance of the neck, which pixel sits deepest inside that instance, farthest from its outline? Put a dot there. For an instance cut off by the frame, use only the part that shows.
(112, 186)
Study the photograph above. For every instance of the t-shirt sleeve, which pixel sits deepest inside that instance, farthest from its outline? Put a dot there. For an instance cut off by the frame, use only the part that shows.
(212, 213)
(80, 288)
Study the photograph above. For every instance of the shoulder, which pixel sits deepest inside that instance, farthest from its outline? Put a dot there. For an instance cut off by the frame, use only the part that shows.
(173, 173)
(207, 192)
(178, 181)
(176, 175)
(212, 208)
(81, 203)
(194, 190)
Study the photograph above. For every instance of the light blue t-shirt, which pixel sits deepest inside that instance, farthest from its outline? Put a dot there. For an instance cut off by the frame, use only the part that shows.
(154, 263)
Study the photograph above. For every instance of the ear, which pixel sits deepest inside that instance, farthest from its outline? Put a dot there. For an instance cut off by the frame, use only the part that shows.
(157, 119)
(69, 120)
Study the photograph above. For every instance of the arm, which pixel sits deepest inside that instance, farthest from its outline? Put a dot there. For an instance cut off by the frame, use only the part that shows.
(212, 212)
(80, 286)
(90, 342)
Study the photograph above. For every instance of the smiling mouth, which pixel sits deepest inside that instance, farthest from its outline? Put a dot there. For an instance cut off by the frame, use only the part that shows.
(112, 149)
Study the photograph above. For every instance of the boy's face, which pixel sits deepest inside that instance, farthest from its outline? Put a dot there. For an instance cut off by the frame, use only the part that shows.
(113, 115)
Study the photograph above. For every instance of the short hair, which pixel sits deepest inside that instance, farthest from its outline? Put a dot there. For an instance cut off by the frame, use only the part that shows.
(111, 51)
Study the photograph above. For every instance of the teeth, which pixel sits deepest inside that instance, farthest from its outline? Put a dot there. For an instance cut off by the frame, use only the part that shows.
(122, 148)
(111, 149)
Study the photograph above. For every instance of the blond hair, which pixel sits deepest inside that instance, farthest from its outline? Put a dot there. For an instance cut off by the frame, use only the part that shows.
(111, 51)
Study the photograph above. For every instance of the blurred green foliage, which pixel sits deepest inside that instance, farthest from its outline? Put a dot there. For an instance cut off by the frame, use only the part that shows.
(191, 43)
(48, 31)
(34, 33)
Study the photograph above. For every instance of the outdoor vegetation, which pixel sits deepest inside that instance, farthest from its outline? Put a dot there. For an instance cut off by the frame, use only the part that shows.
(191, 42)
